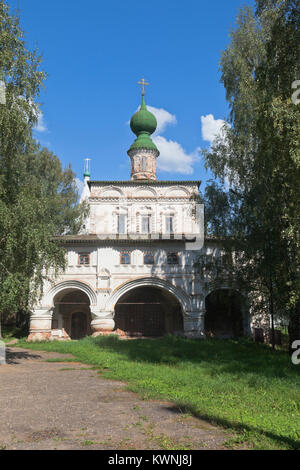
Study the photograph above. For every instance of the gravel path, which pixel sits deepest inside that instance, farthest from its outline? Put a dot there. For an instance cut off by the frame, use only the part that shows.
(46, 405)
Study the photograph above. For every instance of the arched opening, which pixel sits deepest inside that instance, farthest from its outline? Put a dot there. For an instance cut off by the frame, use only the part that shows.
(148, 311)
(72, 313)
(224, 314)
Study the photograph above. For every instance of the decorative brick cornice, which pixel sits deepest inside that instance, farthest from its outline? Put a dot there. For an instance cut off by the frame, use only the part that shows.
(124, 239)
(142, 182)
(166, 199)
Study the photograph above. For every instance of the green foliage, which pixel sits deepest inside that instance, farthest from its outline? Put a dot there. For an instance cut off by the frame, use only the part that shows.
(38, 199)
(10, 333)
(260, 157)
(242, 386)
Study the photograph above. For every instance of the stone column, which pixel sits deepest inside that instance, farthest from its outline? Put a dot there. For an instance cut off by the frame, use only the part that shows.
(201, 323)
(102, 323)
(194, 324)
(40, 324)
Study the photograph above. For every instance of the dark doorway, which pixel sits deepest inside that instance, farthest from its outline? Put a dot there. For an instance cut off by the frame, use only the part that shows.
(72, 312)
(223, 317)
(78, 325)
(148, 311)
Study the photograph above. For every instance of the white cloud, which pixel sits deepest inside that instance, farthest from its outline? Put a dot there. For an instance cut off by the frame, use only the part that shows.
(41, 125)
(211, 127)
(163, 117)
(173, 158)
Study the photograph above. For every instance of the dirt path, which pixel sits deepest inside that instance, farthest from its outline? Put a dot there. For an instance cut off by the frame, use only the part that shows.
(46, 405)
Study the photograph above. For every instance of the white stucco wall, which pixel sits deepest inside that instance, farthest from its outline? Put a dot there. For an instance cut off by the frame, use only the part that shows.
(105, 278)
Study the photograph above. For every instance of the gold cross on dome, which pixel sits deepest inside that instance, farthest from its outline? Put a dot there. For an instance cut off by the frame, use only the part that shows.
(143, 83)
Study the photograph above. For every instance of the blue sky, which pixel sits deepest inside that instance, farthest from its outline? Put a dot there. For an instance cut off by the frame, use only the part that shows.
(95, 52)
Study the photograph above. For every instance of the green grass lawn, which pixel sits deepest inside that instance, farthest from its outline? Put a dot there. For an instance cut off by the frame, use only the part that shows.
(242, 386)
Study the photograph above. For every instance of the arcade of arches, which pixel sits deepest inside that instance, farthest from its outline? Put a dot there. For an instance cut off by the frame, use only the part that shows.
(150, 312)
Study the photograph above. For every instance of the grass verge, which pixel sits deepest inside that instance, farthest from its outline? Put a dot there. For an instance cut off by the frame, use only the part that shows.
(244, 387)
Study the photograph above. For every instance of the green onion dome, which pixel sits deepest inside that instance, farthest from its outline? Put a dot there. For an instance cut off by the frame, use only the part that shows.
(143, 121)
(143, 124)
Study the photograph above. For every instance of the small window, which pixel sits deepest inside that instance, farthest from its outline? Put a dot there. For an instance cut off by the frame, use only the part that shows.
(148, 258)
(121, 223)
(125, 258)
(169, 224)
(172, 258)
(146, 224)
(143, 164)
(84, 259)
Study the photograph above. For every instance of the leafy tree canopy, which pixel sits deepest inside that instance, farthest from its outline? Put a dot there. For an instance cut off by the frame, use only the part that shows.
(38, 199)
(258, 162)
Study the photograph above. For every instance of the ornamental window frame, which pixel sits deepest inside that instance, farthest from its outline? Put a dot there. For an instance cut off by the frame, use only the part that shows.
(146, 211)
(148, 217)
(124, 218)
(125, 255)
(170, 230)
(86, 257)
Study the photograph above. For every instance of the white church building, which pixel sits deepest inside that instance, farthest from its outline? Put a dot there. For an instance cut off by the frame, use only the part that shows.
(133, 269)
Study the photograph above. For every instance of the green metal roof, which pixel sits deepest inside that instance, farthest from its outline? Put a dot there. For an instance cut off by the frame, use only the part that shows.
(143, 142)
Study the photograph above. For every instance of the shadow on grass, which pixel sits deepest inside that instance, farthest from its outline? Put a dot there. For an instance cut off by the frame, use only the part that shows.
(238, 427)
(229, 356)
